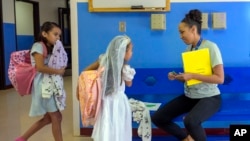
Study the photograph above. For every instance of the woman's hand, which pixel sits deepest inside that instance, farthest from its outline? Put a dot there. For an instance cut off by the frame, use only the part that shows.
(184, 76)
(171, 75)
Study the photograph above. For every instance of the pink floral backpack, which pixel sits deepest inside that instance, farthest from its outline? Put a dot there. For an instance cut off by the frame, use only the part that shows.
(20, 72)
(89, 95)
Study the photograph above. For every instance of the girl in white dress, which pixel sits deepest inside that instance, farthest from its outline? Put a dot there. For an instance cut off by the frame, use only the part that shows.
(114, 122)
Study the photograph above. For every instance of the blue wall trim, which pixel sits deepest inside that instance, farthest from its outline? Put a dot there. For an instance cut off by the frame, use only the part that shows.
(9, 46)
(24, 42)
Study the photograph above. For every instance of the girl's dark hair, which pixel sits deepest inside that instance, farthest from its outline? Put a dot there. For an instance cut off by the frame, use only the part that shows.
(46, 27)
(193, 18)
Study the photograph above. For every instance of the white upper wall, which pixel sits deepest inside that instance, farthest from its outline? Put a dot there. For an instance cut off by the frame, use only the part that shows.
(81, 0)
(48, 9)
(209, 0)
(8, 11)
(192, 0)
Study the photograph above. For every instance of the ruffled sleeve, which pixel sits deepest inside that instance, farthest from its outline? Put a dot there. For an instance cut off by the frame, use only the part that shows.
(128, 73)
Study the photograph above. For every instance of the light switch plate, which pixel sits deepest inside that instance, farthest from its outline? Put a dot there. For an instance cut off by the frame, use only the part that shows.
(122, 26)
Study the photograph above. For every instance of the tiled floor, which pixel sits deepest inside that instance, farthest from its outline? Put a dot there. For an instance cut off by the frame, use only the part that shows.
(14, 119)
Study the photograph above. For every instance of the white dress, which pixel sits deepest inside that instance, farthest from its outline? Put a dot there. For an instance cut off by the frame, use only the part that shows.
(114, 122)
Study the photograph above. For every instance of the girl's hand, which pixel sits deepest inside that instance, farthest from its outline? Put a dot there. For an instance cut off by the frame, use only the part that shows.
(61, 71)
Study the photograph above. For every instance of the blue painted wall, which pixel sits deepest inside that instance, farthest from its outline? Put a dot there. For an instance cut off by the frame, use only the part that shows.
(9, 30)
(162, 49)
(24, 42)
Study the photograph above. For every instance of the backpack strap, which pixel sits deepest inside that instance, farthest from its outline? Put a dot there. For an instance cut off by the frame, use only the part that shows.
(98, 75)
(45, 51)
(100, 70)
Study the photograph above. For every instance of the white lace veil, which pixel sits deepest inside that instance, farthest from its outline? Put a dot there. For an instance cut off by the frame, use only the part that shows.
(113, 61)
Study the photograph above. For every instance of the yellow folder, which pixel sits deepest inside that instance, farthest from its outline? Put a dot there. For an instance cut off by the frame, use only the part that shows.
(197, 61)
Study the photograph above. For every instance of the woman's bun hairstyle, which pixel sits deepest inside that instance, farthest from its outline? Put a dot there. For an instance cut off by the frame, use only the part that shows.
(193, 18)
(195, 15)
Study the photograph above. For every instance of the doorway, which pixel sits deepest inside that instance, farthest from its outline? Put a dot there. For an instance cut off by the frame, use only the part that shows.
(26, 16)
(23, 40)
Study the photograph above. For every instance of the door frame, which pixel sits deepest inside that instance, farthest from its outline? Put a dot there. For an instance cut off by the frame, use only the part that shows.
(2, 64)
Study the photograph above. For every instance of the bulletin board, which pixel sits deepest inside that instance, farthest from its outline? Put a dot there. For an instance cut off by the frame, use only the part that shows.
(125, 5)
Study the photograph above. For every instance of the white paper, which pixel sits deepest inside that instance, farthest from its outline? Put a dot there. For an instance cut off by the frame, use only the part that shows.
(152, 106)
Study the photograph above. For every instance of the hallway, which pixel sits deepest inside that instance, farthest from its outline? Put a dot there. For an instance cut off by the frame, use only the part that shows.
(14, 119)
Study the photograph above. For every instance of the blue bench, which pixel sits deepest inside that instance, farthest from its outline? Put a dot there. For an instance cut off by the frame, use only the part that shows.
(152, 85)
